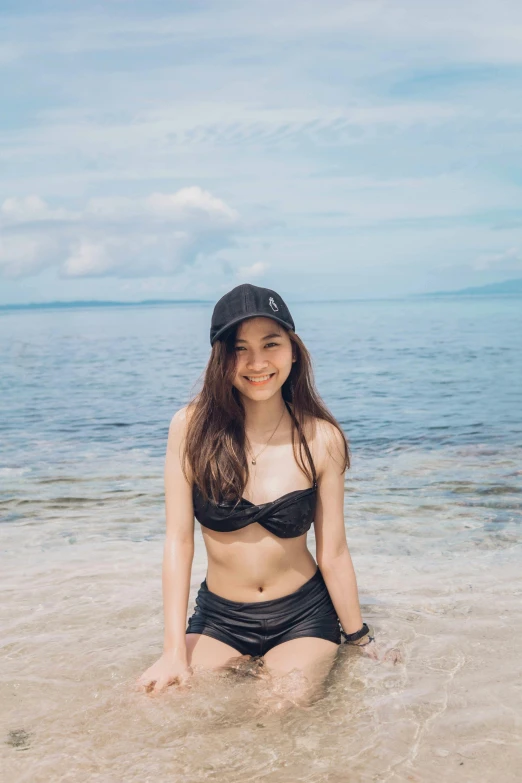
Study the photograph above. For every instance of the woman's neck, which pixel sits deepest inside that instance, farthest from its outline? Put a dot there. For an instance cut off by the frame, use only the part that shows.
(262, 416)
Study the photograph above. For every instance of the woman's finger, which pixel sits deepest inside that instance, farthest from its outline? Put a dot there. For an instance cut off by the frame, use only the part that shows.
(393, 655)
(371, 650)
(159, 685)
(174, 680)
(142, 683)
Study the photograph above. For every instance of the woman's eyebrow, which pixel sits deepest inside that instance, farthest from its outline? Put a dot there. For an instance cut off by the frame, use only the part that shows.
(266, 337)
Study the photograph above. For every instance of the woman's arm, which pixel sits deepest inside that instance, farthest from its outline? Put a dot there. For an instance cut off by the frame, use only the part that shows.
(178, 551)
(333, 556)
(178, 554)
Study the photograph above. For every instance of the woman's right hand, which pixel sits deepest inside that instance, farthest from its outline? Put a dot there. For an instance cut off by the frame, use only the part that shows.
(168, 670)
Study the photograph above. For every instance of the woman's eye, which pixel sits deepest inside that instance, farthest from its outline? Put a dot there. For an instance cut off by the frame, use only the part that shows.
(242, 347)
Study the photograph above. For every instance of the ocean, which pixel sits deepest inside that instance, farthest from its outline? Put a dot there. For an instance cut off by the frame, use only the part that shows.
(428, 391)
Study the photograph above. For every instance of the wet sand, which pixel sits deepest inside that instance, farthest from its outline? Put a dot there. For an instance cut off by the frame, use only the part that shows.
(428, 393)
(440, 581)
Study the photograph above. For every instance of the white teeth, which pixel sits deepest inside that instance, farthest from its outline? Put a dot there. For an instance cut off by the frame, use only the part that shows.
(258, 380)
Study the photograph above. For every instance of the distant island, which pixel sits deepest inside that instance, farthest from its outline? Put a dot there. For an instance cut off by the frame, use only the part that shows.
(99, 303)
(506, 288)
(513, 287)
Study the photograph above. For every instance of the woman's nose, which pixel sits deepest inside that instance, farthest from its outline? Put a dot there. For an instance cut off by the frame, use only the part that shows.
(256, 362)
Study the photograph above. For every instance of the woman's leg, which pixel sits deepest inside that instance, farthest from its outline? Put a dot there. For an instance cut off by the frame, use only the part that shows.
(298, 670)
(209, 653)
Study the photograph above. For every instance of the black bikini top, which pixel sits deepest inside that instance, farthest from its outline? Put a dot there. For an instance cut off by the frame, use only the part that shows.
(289, 516)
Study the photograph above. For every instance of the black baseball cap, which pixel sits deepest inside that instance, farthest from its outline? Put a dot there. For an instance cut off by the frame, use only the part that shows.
(248, 301)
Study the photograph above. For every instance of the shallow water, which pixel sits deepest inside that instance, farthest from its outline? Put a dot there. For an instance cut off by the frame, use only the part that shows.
(429, 393)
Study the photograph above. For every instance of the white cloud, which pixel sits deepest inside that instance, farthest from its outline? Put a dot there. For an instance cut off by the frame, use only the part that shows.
(469, 25)
(88, 259)
(189, 202)
(156, 235)
(28, 209)
(360, 134)
(510, 258)
(22, 256)
(183, 206)
(255, 270)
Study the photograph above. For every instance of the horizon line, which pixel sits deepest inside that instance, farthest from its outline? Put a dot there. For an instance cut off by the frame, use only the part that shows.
(124, 303)
(71, 303)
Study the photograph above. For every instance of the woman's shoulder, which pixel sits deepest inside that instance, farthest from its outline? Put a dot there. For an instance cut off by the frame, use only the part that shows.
(326, 440)
(179, 421)
(321, 431)
(177, 441)
(325, 433)
(180, 416)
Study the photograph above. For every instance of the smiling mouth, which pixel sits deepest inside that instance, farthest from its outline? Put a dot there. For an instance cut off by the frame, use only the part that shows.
(259, 379)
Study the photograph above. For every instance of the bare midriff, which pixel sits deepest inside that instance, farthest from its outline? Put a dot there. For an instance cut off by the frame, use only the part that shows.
(252, 564)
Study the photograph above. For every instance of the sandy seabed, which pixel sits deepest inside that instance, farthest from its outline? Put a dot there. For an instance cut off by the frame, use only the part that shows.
(82, 618)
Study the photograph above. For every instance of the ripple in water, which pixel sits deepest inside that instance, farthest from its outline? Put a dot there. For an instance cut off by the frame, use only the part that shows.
(426, 392)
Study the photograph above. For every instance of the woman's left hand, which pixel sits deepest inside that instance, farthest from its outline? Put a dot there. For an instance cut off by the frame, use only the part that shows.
(372, 650)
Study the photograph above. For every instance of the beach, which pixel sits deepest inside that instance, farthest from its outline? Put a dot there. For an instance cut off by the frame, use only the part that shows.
(428, 392)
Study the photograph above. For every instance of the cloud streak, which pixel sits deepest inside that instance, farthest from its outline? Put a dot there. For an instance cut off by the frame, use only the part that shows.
(160, 234)
(374, 140)
(510, 259)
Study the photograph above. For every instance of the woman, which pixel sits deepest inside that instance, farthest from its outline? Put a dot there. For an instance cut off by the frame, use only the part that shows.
(257, 458)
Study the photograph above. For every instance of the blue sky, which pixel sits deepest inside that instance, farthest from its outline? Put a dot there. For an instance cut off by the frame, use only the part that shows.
(327, 150)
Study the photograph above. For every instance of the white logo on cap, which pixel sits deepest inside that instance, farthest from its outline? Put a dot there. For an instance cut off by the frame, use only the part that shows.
(273, 305)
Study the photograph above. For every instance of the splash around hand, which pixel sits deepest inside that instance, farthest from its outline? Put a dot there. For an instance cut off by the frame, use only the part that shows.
(168, 670)
(375, 651)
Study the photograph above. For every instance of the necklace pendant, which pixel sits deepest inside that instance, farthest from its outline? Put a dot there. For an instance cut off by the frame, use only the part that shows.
(253, 462)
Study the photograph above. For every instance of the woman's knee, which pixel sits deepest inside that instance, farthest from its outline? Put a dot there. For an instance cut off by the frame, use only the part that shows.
(311, 655)
(281, 692)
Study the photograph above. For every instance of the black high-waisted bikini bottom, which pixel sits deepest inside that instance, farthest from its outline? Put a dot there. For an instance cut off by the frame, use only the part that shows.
(254, 628)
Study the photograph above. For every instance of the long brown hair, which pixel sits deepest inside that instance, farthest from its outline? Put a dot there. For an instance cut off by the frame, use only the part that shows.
(214, 446)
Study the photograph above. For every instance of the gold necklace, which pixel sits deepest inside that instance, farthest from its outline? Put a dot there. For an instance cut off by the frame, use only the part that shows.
(254, 458)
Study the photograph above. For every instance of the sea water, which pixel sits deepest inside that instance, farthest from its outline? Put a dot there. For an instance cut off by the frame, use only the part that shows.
(429, 394)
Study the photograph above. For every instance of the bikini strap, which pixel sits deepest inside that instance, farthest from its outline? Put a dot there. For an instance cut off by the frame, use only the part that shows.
(303, 441)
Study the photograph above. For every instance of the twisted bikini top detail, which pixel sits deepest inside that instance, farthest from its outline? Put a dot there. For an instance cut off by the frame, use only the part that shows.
(288, 516)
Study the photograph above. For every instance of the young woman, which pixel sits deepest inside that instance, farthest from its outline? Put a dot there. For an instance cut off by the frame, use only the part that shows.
(257, 459)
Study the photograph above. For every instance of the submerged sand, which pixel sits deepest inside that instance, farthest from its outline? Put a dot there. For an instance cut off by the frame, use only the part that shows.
(436, 545)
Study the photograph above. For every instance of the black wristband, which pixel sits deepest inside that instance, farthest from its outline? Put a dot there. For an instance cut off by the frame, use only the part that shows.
(352, 637)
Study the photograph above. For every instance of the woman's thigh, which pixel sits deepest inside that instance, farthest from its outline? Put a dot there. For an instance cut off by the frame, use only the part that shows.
(209, 653)
(299, 668)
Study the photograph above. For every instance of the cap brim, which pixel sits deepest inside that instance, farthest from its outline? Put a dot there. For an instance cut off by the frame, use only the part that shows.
(244, 318)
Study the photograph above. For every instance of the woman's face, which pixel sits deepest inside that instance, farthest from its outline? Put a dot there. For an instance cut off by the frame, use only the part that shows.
(263, 358)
